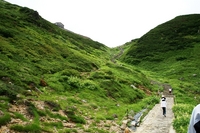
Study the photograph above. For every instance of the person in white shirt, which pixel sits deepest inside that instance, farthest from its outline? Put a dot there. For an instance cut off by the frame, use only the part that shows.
(194, 126)
(163, 104)
(170, 90)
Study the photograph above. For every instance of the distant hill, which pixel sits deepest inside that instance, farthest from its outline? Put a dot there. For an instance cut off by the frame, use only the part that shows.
(178, 34)
(171, 51)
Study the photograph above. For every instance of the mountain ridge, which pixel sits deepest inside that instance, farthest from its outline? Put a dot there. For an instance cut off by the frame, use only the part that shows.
(176, 34)
(74, 80)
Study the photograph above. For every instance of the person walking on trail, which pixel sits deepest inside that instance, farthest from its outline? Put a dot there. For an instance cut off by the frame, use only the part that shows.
(163, 104)
(170, 90)
(194, 126)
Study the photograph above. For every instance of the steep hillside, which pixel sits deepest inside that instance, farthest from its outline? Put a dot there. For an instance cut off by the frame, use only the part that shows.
(177, 34)
(170, 49)
(31, 46)
(51, 77)
(170, 54)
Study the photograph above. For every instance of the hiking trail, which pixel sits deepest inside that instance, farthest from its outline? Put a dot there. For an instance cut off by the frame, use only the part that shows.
(155, 122)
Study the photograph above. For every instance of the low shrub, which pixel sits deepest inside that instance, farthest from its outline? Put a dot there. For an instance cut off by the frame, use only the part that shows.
(53, 115)
(4, 119)
(6, 33)
(54, 124)
(182, 113)
(20, 116)
(53, 105)
(33, 128)
(70, 112)
(8, 91)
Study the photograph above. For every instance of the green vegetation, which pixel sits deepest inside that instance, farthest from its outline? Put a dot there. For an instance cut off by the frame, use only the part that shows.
(169, 53)
(54, 76)
(28, 128)
(5, 119)
(182, 115)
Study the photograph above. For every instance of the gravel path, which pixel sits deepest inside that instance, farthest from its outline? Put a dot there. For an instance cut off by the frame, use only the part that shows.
(155, 122)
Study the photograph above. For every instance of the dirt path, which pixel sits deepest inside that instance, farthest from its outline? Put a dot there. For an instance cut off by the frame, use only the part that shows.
(155, 122)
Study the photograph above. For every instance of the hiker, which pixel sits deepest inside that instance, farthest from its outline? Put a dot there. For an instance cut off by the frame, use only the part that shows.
(194, 126)
(163, 104)
(170, 90)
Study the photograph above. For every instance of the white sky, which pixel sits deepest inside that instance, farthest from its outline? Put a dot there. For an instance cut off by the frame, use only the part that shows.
(111, 22)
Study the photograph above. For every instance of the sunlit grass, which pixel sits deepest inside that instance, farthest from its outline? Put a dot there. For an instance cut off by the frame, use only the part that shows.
(182, 113)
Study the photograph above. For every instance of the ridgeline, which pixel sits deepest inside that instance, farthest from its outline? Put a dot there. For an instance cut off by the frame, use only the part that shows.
(52, 77)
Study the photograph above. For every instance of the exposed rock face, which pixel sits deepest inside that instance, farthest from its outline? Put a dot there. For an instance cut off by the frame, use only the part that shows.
(59, 24)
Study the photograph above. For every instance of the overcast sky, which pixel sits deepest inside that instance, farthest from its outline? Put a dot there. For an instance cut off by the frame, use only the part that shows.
(111, 22)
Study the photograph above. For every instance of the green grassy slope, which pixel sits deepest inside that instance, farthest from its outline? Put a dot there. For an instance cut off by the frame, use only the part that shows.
(33, 47)
(170, 50)
(170, 53)
(43, 64)
(177, 34)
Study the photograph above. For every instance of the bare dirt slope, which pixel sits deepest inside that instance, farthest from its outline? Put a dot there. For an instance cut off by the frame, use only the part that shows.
(155, 122)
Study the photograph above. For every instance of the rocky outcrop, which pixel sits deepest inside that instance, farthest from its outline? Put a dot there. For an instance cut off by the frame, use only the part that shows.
(59, 24)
